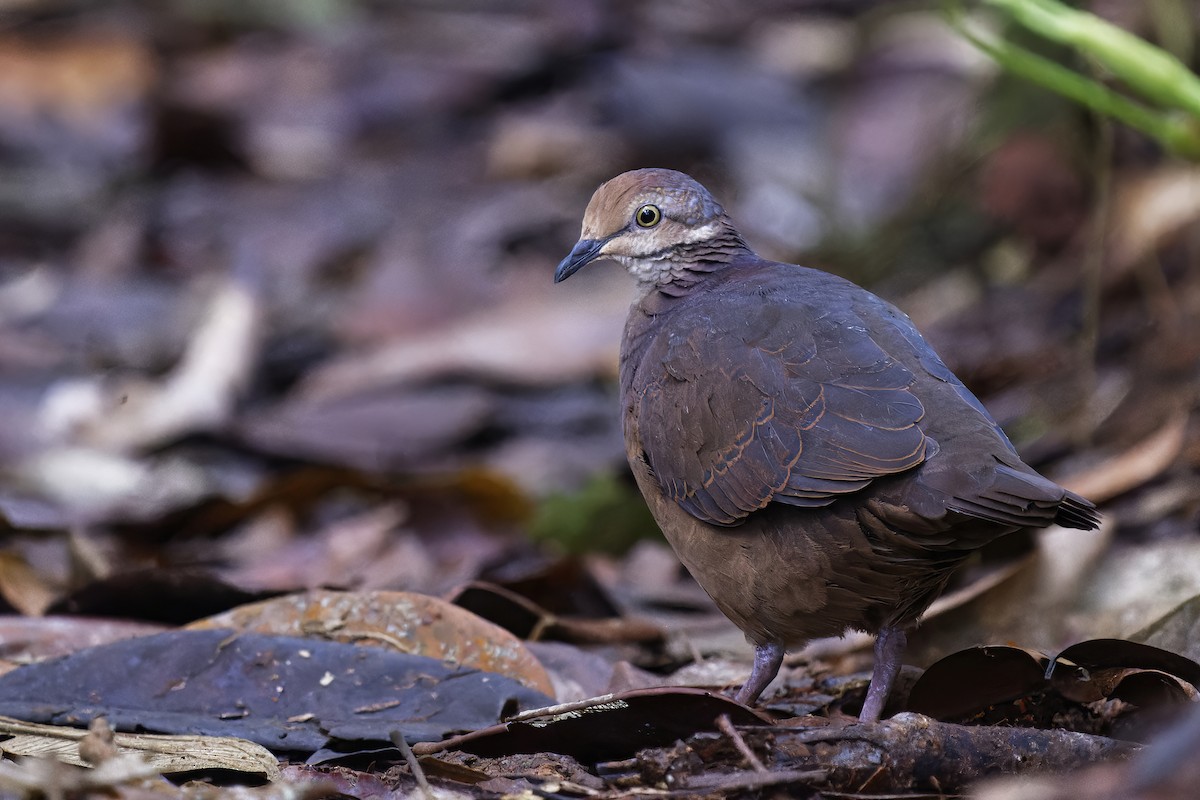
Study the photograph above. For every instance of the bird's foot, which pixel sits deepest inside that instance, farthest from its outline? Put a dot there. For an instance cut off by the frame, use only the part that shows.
(889, 647)
(767, 658)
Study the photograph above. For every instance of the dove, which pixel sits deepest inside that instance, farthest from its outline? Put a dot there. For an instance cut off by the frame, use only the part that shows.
(809, 457)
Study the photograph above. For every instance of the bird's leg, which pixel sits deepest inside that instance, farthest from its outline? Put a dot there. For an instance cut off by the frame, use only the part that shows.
(889, 647)
(767, 658)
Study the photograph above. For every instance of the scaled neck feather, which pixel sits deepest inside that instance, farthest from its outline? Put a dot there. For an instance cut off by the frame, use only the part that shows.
(676, 269)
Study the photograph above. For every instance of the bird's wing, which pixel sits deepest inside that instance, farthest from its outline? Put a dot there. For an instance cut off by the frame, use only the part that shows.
(778, 401)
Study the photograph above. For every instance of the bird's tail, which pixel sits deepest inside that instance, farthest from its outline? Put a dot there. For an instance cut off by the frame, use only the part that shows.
(1077, 512)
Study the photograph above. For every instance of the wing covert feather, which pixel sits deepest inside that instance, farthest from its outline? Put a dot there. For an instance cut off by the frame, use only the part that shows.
(784, 404)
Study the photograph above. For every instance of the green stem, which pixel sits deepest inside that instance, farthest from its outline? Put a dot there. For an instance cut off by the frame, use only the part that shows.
(1154, 72)
(1177, 133)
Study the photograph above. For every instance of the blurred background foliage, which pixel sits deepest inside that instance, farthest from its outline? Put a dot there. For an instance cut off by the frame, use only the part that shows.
(269, 266)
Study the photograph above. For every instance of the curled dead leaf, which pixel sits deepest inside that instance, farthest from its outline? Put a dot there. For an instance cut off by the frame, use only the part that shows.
(156, 753)
(973, 681)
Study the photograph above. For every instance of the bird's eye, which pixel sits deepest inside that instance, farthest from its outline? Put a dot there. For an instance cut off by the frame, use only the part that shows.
(648, 216)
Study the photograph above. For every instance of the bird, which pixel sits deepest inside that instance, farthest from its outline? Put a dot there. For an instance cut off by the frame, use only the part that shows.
(814, 464)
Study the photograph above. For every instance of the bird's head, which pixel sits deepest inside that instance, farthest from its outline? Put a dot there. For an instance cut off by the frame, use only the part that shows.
(655, 223)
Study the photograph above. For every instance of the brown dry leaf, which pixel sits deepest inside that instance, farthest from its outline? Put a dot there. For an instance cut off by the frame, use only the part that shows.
(423, 533)
(405, 621)
(267, 553)
(149, 754)
(575, 337)
(1133, 467)
(372, 430)
(1151, 208)
(197, 395)
(31, 639)
(22, 587)
(537, 146)
(91, 426)
(50, 777)
(72, 80)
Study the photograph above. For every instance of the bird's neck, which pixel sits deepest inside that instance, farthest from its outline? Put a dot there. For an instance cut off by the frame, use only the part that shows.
(674, 271)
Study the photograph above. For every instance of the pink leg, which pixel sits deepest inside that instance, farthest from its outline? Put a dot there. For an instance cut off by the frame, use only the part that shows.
(889, 647)
(767, 658)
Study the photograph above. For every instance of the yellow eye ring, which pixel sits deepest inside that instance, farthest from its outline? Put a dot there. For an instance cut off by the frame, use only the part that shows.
(647, 216)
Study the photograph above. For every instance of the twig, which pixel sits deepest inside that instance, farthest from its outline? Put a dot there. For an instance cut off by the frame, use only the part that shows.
(413, 764)
(748, 781)
(726, 727)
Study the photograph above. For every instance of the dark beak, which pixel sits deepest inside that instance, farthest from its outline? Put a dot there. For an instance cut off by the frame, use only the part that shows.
(584, 252)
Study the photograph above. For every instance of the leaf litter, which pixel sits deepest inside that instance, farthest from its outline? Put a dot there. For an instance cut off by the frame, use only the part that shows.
(283, 326)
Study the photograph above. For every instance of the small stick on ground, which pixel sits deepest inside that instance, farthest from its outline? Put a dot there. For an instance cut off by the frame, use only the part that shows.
(413, 764)
(726, 727)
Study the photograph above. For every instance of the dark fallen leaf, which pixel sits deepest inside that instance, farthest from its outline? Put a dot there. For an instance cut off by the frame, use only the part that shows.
(604, 728)
(1101, 653)
(526, 619)
(964, 682)
(1149, 688)
(172, 596)
(286, 693)
(563, 586)
(971, 682)
(516, 614)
